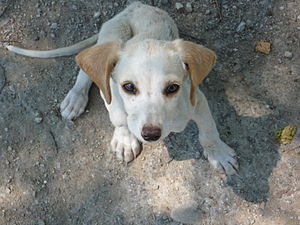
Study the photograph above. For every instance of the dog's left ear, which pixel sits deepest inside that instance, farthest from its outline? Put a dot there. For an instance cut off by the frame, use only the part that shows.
(98, 63)
(199, 61)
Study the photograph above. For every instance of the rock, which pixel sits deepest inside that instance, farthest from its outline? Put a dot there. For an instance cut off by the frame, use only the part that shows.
(96, 15)
(241, 27)
(207, 12)
(38, 119)
(4, 191)
(163, 2)
(186, 214)
(131, 1)
(188, 7)
(3, 22)
(40, 222)
(178, 6)
(53, 26)
(288, 54)
(2, 78)
(225, 6)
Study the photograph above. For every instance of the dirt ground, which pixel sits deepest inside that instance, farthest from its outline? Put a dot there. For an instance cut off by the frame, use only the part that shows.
(58, 172)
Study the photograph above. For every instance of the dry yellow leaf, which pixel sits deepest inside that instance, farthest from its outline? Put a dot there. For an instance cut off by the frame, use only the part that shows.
(263, 47)
(285, 135)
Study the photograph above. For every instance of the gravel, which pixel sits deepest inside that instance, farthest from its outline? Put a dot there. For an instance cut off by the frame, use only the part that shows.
(2, 78)
(178, 6)
(241, 27)
(188, 7)
(288, 54)
(87, 185)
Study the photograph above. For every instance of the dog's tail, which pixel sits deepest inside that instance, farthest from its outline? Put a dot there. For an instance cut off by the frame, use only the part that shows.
(65, 51)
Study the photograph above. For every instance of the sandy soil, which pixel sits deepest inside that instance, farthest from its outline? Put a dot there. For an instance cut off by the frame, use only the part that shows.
(59, 172)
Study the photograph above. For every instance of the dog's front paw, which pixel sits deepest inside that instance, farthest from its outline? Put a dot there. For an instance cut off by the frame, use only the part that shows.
(125, 145)
(74, 104)
(222, 157)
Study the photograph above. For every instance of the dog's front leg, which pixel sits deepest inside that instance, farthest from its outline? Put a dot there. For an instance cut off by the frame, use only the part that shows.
(75, 101)
(124, 144)
(220, 155)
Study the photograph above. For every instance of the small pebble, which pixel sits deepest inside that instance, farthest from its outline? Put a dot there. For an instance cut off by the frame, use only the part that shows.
(42, 33)
(163, 2)
(188, 7)
(38, 119)
(288, 54)
(281, 8)
(97, 15)
(207, 12)
(53, 26)
(178, 6)
(9, 148)
(241, 27)
(185, 214)
(40, 222)
(6, 129)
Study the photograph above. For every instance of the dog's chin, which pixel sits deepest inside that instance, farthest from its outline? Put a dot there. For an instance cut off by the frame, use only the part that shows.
(150, 142)
(141, 139)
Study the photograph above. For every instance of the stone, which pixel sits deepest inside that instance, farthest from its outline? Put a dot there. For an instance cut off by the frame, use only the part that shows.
(2, 78)
(178, 6)
(288, 54)
(188, 7)
(186, 214)
(241, 27)
(96, 15)
(40, 222)
(53, 26)
(164, 2)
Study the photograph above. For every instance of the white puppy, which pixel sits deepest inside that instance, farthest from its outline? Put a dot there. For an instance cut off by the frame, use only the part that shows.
(149, 81)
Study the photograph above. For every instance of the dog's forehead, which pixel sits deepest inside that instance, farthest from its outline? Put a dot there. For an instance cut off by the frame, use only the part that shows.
(150, 58)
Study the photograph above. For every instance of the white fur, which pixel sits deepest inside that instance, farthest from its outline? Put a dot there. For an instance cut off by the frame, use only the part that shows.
(149, 60)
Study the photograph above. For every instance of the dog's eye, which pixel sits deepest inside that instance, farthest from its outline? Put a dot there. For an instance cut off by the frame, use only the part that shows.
(171, 89)
(129, 88)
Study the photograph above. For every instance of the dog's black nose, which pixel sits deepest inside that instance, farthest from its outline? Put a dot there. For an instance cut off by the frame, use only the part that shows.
(151, 133)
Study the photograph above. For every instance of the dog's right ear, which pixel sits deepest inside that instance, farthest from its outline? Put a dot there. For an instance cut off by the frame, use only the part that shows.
(98, 62)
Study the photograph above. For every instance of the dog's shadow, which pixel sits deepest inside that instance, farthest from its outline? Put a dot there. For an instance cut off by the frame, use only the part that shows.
(252, 139)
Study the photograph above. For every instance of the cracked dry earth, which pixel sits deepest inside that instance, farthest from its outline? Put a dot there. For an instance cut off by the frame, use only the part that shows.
(59, 172)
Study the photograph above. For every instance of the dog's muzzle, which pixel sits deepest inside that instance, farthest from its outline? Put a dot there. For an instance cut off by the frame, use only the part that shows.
(151, 133)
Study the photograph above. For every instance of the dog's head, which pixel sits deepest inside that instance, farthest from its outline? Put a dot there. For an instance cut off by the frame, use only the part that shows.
(157, 81)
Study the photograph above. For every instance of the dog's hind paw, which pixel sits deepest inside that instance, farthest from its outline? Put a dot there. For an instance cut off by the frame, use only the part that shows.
(74, 104)
(222, 157)
(125, 145)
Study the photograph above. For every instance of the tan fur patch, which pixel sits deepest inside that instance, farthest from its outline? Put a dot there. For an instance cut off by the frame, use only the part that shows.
(200, 61)
(98, 63)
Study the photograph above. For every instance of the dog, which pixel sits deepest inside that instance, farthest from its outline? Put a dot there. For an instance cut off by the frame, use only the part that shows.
(149, 80)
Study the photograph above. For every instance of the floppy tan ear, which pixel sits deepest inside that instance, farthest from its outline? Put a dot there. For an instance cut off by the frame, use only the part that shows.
(98, 62)
(199, 61)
